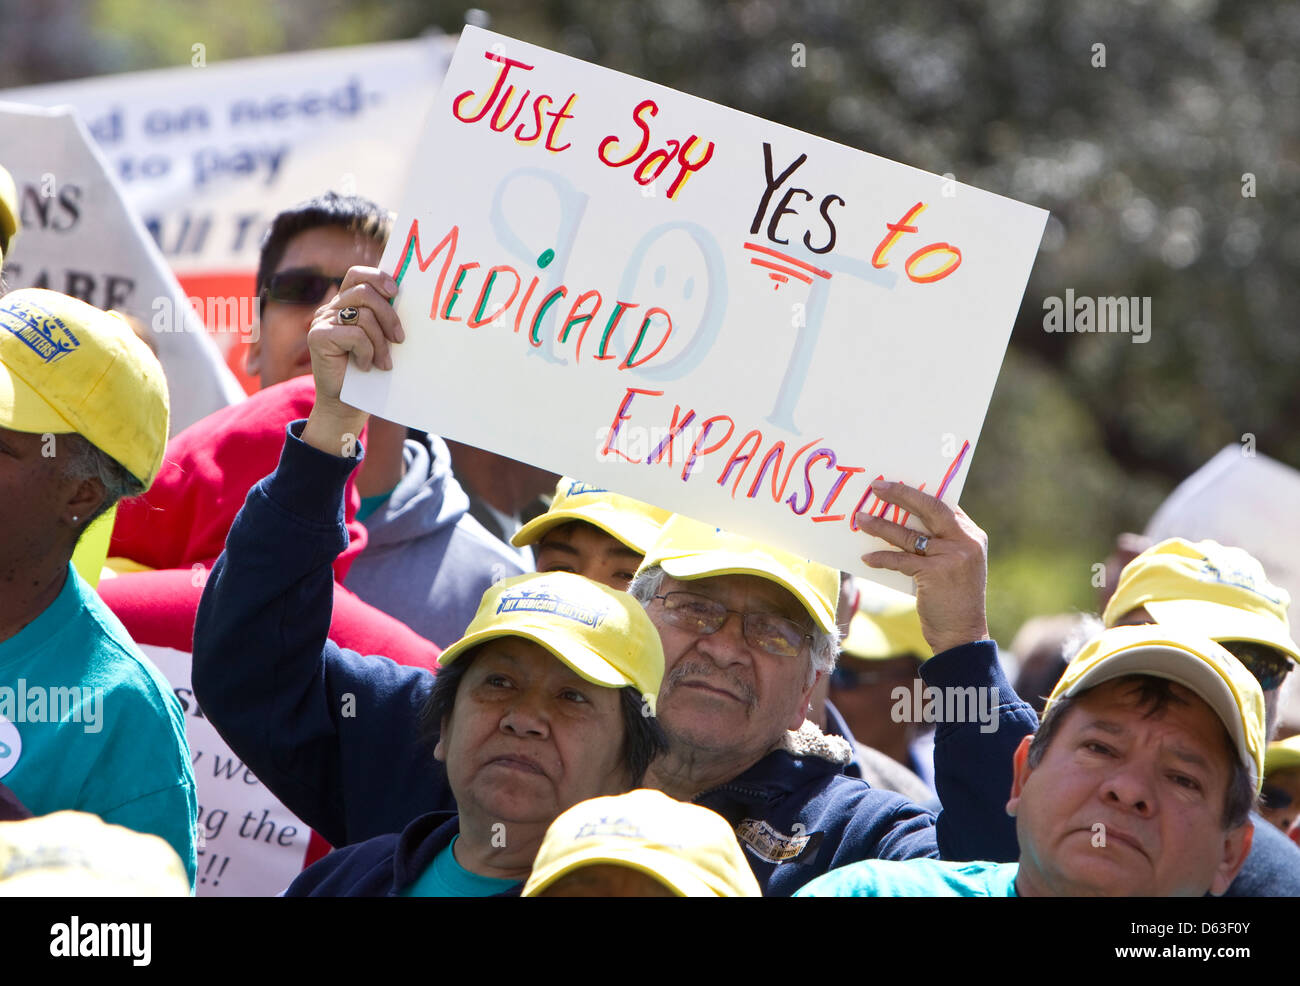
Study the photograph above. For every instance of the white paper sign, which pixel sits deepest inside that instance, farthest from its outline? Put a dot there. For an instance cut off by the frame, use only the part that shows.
(695, 307)
(249, 844)
(209, 152)
(80, 237)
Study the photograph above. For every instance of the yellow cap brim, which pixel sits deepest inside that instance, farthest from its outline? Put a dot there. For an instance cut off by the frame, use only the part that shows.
(1219, 621)
(1282, 755)
(23, 409)
(673, 872)
(868, 640)
(581, 659)
(706, 564)
(627, 528)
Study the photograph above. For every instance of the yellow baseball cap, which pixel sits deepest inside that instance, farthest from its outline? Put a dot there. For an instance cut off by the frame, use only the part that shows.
(1217, 591)
(884, 625)
(604, 635)
(688, 848)
(1196, 662)
(8, 208)
(75, 854)
(1282, 755)
(66, 366)
(634, 523)
(687, 549)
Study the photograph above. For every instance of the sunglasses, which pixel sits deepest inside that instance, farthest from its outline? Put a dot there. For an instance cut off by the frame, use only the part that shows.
(1270, 667)
(766, 631)
(300, 286)
(1275, 798)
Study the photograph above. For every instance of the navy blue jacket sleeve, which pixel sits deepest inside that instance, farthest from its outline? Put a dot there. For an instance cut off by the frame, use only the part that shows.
(973, 755)
(332, 734)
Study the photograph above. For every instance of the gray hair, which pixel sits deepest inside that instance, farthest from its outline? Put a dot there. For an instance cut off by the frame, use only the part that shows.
(81, 460)
(825, 645)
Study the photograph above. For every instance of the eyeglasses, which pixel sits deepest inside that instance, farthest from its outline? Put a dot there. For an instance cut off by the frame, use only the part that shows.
(300, 286)
(1269, 666)
(766, 631)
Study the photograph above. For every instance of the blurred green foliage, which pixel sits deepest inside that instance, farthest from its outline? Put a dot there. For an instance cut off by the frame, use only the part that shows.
(1141, 160)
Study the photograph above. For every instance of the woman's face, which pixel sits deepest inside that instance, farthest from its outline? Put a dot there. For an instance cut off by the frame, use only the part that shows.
(528, 738)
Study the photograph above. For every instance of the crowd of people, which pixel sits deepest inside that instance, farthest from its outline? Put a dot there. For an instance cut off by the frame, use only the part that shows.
(465, 687)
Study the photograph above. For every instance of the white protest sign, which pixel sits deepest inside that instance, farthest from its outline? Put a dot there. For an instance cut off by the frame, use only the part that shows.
(81, 238)
(209, 152)
(249, 844)
(703, 310)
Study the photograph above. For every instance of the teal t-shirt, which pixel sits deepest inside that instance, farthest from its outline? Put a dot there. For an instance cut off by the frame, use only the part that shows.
(915, 878)
(369, 504)
(445, 877)
(87, 723)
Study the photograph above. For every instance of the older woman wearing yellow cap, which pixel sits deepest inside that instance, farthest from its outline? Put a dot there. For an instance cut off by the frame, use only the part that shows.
(86, 722)
(546, 701)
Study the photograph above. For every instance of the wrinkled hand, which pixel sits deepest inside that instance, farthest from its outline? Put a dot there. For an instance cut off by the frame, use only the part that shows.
(333, 425)
(951, 576)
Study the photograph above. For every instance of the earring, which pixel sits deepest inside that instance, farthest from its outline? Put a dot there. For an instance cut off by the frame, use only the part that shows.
(75, 518)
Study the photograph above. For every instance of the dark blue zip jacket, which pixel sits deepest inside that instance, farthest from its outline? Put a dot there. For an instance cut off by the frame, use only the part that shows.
(385, 865)
(334, 735)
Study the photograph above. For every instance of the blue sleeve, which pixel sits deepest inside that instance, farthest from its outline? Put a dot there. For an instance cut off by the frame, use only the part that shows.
(973, 756)
(332, 734)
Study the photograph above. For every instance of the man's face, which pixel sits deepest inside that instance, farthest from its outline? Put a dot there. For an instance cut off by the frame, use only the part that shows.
(1128, 804)
(720, 694)
(528, 738)
(280, 350)
(586, 550)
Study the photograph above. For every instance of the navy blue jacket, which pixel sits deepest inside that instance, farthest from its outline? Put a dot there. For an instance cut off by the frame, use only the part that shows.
(334, 735)
(385, 865)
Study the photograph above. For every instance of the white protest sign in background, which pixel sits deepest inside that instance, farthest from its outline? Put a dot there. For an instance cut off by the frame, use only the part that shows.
(80, 237)
(209, 152)
(713, 313)
(249, 844)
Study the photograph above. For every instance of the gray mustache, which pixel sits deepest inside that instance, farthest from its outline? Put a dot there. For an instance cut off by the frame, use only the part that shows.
(710, 675)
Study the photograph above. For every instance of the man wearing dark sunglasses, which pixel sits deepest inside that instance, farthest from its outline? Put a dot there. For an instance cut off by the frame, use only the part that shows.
(1219, 591)
(428, 560)
(1223, 594)
(305, 254)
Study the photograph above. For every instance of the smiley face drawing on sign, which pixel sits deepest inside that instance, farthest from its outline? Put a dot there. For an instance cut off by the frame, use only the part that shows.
(11, 746)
